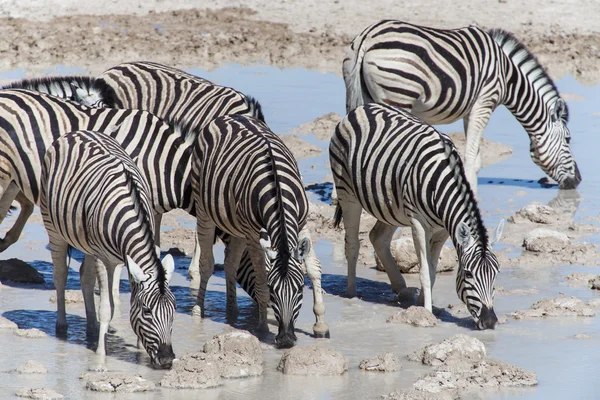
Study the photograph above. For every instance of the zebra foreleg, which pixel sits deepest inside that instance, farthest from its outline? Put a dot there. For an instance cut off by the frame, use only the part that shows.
(475, 124)
(205, 231)
(104, 273)
(233, 256)
(381, 238)
(13, 234)
(87, 277)
(351, 215)
(421, 239)
(436, 244)
(58, 249)
(313, 270)
(261, 289)
(194, 268)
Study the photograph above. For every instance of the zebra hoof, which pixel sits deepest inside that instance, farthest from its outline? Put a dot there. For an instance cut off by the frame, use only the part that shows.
(197, 312)
(321, 330)
(322, 335)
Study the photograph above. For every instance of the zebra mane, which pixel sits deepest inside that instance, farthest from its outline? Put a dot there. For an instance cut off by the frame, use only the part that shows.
(183, 129)
(525, 61)
(467, 194)
(143, 212)
(255, 108)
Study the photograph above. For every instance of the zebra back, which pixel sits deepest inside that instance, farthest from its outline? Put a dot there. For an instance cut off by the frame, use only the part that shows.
(81, 89)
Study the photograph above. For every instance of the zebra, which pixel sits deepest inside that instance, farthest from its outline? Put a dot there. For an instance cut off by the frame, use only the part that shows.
(246, 182)
(94, 198)
(405, 173)
(442, 76)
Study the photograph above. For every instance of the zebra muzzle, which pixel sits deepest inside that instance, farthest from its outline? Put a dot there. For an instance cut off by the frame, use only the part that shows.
(164, 358)
(487, 318)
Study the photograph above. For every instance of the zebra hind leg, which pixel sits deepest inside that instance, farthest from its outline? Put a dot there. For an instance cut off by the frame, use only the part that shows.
(205, 231)
(104, 272)
(233, 256)
(59, 249)
(87, 277)
(421, 239)
(381, 237)
(26, 210)
(351, 216)
(261, 289)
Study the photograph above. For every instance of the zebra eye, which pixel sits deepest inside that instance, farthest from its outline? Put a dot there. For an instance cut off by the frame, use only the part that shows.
(468, 274)
(146, 311)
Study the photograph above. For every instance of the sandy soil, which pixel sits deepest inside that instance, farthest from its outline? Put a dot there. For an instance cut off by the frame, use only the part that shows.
(282, 33)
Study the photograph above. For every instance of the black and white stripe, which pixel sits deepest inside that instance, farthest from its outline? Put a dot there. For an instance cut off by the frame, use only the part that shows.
(246, 182)
(94, 198)
(405, 173)
(445, 75)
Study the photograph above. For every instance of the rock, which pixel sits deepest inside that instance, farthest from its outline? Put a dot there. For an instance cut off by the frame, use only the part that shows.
(19, 271)
(193, 371)
(387, 362)
(560, 307)
(416, 316)
(300, 148)
(39, 394)
(119, 382)
(542, 240)
(582, 336)
(403, 251)
(458, 348)
(538, 213)
(71, 297)
(32, 333)
(6, 323)
(322, 127)
(475, 375)
(313, 360)
(239, 342)
(413, 394)
(32, 367)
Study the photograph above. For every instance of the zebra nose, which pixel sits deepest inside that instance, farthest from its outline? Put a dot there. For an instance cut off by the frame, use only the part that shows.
(487, 319)
(286, 337)
(571, 182)
(165, 356)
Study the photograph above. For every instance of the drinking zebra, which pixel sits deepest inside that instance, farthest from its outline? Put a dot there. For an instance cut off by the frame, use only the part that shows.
(444, 75)
(405, 173)
(94, 198)
(246, 182)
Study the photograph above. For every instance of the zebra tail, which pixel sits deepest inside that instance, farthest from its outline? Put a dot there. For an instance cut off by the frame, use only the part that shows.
(354, 81)
(337, 216)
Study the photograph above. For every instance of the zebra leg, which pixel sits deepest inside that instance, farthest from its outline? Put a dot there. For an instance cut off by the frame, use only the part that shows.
(59, 249)
(26, 210)
(205, 231)
(7, 198)
(436, 244)
(87, 277)
(381, 238)
(475, 124)
(313, 270)
(194, 268)
(351, 215)
(422, 240)
(261, 289)
(104, 274)
(233, 256)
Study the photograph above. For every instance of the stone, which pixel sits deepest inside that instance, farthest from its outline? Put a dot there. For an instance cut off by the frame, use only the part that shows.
(322, 127)
(403, 251)
(118, 382)
(32, 367)
(33, 333)
(313, 360)
(239, 342)
(71, 297)
(559, 307)
(39, 394)
(6, 323)
(416, 316)
(458, 348)
(193, 371)
(387, 362)
(543, 240)
(19, 271)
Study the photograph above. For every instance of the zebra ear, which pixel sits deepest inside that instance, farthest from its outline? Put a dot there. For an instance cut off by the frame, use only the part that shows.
(497, 234)
(135, 271)
(463, 235)
(265, 242)
(303, 248)
(559, 109)
(169, 266)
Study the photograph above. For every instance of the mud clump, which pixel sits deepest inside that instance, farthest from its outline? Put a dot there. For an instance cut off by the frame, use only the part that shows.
(15, 270)
(581, 336)
(71, 297)
(234, 354)
(537, 213)
(6, 323)
(313, 360)
(118, 382)
(458, 348)
(560, 307)
(32, 367)
(579, 279)
(322, 127)
(387, 362)
(300, 148)
(403, 251)
(545, 241)
(491, 152)
(40, 394)
(416, 316)
(32, 333)
(414, 394)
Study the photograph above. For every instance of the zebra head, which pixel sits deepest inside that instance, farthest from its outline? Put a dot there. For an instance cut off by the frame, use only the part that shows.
(550, 149)
(477, 270)
(285, 278)
(152, 309)
(88, 96)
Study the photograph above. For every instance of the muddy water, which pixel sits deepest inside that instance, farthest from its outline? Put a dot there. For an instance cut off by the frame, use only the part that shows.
(566, 367)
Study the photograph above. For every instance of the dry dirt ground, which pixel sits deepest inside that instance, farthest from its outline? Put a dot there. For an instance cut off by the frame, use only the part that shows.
(39, 34)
